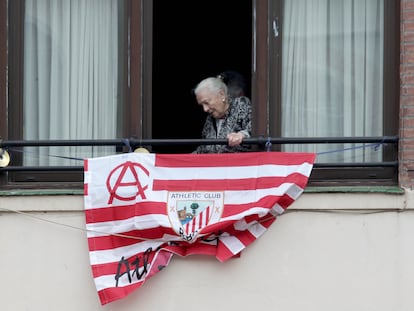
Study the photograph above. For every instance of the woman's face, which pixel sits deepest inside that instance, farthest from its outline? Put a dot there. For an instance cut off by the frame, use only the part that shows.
(214, 104)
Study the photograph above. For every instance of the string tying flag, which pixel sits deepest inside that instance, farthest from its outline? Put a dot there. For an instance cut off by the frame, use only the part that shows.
(143, 208)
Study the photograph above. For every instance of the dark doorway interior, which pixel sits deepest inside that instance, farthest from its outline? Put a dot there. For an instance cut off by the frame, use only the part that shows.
(191, 41)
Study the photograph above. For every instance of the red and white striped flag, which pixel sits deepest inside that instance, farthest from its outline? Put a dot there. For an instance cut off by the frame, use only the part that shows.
(143, 208)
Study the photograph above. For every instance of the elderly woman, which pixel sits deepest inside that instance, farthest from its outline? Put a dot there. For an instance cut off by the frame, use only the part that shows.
(228, 117)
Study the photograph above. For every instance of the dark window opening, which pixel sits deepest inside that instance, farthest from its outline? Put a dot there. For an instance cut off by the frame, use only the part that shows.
(191, 41)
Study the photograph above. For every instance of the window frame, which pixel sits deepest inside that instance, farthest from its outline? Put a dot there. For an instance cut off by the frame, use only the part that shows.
(266, 99)
(12, 69)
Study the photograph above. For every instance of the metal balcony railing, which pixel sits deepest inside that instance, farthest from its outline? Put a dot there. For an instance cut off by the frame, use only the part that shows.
(263, 143)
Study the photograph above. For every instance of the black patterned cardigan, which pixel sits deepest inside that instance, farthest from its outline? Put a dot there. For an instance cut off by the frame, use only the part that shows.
(238, 119)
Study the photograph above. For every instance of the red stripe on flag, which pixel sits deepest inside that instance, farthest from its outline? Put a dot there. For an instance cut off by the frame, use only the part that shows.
(127, 238)
(233, 159)
(223, 253)
(217, 227)
(110, 294)
(124, 212)
(185, 249)
(234, 209)
(267, 220)
(229, 184)
(245, 237)
(285, 201)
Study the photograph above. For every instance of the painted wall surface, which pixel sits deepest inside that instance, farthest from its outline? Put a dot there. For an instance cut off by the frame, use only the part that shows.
(337, 251)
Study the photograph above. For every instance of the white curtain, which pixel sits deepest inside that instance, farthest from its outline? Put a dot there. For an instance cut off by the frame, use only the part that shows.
(332, 68)
(70, 75)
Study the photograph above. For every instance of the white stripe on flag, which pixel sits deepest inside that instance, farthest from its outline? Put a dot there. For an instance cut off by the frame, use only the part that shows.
(277, 210)
(104, 281)
(294, 191)
(234, 172)
(129, 224)
(232, 243)
(257, 230)
(115, 254)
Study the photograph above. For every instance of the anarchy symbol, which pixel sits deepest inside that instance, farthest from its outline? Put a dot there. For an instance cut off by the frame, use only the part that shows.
(126, 175)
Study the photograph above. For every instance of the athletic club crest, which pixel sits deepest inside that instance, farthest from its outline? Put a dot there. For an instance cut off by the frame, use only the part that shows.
(191, 211)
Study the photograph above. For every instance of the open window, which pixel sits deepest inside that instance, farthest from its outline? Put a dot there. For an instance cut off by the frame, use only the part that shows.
(126, 69)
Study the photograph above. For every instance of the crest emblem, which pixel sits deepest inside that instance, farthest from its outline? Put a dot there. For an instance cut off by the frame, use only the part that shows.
(190, 212)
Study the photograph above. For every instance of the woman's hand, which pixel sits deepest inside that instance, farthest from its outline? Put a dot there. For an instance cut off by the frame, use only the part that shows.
(235, 139)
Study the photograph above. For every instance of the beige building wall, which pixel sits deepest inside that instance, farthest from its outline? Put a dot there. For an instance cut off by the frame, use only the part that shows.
(330, 251)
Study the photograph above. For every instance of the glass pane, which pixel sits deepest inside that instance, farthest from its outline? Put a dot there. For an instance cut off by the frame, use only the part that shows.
(332, 73)
(72, 76)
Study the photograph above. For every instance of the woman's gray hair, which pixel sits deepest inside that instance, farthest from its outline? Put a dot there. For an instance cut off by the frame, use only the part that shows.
(212, 84)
